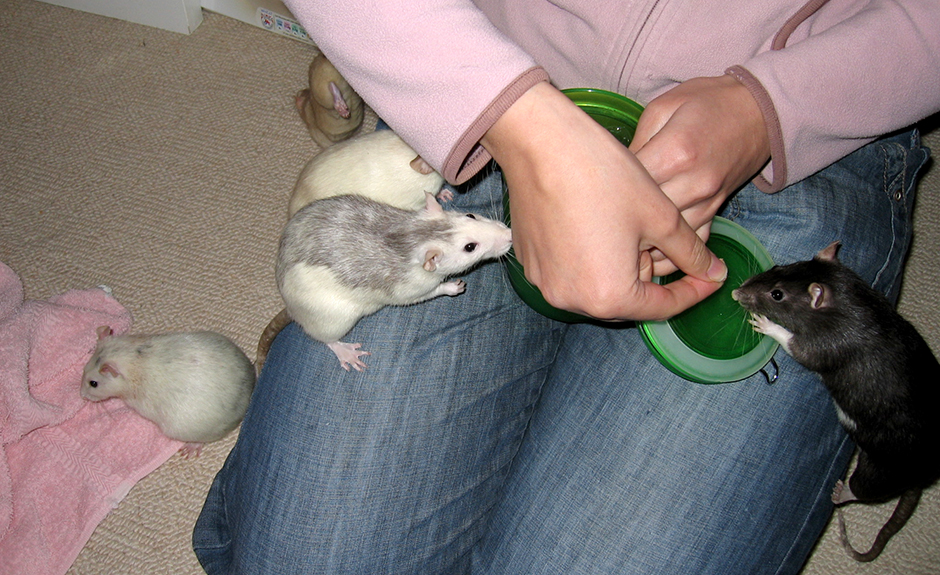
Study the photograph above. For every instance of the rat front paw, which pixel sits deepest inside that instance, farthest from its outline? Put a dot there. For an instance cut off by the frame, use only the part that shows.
(777, 332)
(191, 449)
(761, 324)
(455, 287)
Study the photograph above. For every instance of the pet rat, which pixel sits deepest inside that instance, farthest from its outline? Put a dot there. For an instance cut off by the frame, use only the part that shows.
(194, 386)
(345, 257)
(378, 165)
(878, 369)
(330, 108)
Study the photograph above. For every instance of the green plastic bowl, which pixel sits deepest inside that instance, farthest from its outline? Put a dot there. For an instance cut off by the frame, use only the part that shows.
(712, 342)
(619, 115)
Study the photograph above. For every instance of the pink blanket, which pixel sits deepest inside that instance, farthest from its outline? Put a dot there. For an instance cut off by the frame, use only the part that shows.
(65, 462)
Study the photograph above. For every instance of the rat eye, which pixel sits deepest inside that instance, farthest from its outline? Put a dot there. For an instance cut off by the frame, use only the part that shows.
(471, 216)
(93, 383)
(469, 248)
(776, 294)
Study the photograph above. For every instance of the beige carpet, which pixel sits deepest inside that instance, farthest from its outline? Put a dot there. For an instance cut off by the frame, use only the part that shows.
(160, 164)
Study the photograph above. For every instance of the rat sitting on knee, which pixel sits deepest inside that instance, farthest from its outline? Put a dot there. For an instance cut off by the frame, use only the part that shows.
(344, 257)
(194, 386)
(878, 369)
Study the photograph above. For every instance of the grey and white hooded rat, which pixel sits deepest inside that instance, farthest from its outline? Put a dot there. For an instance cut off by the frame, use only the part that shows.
(345, 257)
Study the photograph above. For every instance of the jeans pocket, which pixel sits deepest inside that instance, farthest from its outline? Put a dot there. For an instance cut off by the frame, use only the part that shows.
(902, 159)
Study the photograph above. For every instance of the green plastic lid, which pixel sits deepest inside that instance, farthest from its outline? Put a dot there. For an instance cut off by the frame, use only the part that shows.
(711, 342)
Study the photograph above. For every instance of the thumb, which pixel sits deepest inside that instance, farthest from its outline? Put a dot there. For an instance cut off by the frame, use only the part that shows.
(705, 273)
(690, 254)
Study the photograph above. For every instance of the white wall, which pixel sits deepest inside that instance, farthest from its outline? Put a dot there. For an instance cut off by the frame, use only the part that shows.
(182, 16)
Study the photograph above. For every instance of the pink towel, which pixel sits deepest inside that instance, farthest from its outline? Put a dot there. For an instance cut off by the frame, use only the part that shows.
(65, 462)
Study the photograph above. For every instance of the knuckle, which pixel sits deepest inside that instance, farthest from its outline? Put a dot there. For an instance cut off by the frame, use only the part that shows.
(600, 300)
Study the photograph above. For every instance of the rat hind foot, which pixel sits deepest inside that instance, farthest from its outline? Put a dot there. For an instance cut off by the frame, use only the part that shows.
(348, 355)
(842, 494)
(191, 449)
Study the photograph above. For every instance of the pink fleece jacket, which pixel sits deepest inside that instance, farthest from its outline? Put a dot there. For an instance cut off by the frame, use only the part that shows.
(829, 75)
(64, 463)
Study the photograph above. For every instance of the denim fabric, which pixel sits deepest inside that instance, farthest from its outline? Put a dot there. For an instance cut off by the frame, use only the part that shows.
(485, 438)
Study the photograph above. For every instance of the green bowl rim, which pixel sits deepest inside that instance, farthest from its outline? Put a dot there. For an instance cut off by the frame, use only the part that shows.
(688, 363)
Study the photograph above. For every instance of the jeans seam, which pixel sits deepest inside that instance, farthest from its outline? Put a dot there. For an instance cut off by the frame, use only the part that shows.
(887, 192)
(806, 518)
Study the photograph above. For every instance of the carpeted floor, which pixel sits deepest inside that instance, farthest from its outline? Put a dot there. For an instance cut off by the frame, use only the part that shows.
(160, 164)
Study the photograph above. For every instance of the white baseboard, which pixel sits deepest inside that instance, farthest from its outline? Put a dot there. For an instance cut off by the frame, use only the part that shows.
(184, 16)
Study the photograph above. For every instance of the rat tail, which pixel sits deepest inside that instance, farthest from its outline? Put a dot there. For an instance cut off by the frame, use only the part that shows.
(273, 328)
(902, 512)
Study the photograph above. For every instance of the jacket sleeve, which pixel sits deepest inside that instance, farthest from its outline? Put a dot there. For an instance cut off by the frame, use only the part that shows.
(436, 71)
(839, 76)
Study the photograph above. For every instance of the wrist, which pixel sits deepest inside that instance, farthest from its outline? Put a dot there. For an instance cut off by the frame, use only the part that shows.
(537, 121)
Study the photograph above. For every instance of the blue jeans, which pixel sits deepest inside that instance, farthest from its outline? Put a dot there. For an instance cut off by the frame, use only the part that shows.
(486, 438)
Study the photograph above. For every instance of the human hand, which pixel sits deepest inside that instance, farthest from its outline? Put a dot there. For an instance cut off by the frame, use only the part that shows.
(700, 142)
(586, 215)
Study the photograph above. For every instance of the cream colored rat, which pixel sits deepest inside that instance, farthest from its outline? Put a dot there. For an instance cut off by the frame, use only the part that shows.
(378, 165)
(195, 386)
(330, 108)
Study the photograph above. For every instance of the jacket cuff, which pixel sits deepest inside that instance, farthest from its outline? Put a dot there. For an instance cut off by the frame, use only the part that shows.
(468, 157)
(774, 176)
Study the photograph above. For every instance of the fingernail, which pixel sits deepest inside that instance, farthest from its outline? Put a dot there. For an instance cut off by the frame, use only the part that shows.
(719, 271)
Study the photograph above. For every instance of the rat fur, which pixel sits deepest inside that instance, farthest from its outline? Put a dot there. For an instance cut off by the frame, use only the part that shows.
(378, 165)
(195, 386)
(880, 372)
(345, 257)
(330, 108)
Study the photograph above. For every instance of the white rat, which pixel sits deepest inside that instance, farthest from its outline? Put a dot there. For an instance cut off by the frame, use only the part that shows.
(378, 165)
(194, 386)
(345, 257)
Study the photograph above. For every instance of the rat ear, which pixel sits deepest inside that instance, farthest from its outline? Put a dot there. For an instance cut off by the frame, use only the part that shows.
(104, 331)
(828, 253)
(339, 103)
(820, 296)
(109, 369)
(431, 206)
(431, 257)
(421, 166)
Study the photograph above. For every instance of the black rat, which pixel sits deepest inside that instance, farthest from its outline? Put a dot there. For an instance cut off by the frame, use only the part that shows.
(878, 369)
(344, 257)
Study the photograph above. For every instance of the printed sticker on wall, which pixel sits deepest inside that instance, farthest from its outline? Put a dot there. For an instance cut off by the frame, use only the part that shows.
(282, 25)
